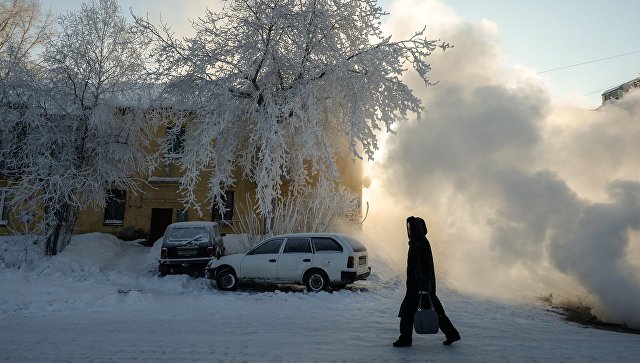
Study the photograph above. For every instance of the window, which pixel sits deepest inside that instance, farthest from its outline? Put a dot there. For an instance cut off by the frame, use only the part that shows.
(182, 215)
(114, 208)
(326, 245)
(355, 244)
(123, 111)
(4, 200)
(2, 163)
(228, 213)
(269, 247)
(297, 245)
(183, 234)
(175, 140)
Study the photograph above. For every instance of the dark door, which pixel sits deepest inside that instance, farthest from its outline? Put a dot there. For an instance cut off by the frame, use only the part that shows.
(160, 219)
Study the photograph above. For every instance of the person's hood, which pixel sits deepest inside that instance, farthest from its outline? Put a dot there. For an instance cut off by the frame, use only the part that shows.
(416, 228)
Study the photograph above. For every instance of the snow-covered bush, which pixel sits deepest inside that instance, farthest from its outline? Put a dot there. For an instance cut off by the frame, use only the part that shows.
(320, 208)
(18, 251)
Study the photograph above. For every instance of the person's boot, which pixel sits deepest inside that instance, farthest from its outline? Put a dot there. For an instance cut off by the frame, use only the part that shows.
(402, 342)
(406, 331)
(451, 339)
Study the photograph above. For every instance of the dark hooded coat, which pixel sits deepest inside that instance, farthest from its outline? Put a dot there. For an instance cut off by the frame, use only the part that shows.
(420, 269)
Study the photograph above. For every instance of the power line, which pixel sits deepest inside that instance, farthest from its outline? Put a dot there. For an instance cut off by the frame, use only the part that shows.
(591, 61)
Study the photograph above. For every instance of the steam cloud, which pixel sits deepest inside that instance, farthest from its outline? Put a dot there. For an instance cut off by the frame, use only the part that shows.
(521, 197)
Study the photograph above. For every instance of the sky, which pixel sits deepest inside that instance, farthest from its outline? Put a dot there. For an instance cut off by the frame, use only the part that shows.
(538, 35)
(549, 34)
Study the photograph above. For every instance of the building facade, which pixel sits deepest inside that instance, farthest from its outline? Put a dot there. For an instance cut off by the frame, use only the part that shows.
(145, 214)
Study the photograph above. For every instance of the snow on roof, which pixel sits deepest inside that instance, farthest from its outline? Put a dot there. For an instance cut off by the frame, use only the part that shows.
(621, 85)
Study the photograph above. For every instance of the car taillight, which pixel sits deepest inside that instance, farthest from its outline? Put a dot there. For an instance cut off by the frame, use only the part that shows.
(164, 253)
(210, 251)
(351, 262)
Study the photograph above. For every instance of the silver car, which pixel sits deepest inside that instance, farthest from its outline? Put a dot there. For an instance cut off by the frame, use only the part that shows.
(321, 261)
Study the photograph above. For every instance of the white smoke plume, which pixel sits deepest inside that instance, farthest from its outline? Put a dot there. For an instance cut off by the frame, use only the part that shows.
(522, 197)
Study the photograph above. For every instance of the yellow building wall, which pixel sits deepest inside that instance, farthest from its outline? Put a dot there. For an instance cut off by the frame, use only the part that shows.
(161, 191)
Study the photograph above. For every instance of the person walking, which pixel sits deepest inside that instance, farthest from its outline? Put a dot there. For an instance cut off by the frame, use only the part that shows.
(421, 277)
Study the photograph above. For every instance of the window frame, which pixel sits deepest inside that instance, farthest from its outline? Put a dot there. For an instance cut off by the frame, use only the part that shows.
(229, 197)
(120, 207)
(174, 141)
(326, 251)
(252, 251)
(4, 209)
(308, 249)
(182, 215)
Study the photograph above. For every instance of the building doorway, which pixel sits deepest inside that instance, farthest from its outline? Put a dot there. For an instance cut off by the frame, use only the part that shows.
(160, 219)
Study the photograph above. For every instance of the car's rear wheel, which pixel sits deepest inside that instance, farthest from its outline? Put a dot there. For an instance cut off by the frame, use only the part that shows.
(227, 280)
(164, 269)
(316, 280)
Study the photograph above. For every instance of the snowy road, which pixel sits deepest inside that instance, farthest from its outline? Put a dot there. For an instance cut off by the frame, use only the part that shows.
(77, 314)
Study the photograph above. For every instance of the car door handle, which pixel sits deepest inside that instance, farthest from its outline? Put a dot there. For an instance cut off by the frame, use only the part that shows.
(272, 260)
(306, 260)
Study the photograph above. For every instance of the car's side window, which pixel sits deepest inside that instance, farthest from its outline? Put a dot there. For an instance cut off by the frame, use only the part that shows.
(297, 245)
(271, 246)
(326, 245)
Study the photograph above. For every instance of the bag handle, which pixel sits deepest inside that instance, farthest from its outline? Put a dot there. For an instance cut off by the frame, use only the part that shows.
(420, 293)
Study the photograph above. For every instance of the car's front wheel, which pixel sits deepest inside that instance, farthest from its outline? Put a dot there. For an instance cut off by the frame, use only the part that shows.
(227, 280)
(316, 281)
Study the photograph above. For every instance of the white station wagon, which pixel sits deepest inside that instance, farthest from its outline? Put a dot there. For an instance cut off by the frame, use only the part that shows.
(321, 261)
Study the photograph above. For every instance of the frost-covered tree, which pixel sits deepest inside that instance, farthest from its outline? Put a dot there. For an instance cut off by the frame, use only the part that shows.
(84, 131)
(273, 88)
(23, 26)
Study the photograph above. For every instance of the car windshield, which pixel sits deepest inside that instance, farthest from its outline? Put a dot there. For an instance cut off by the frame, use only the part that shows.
(187, 234)
(355, 244)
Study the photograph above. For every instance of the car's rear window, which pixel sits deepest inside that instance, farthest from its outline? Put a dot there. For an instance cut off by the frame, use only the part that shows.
(355, 244)
(183, 234)
(323, 244)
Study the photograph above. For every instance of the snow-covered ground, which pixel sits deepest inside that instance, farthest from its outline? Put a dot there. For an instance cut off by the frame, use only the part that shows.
(101, 300)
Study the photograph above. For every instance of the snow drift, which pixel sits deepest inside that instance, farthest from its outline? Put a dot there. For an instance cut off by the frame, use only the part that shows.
(112, 306)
